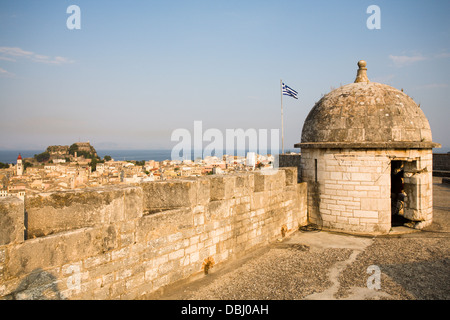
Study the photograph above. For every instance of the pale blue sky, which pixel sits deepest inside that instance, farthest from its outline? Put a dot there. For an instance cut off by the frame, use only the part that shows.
(137, 70)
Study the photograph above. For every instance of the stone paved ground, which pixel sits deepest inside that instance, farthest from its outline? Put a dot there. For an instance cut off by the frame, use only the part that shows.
(322, 265)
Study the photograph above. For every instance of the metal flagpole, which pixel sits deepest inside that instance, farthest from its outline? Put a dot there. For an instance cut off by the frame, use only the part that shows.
(282, 129)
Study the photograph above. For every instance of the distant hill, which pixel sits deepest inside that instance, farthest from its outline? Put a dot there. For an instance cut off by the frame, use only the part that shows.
(77, 149)
(58, 150)
(83, 149)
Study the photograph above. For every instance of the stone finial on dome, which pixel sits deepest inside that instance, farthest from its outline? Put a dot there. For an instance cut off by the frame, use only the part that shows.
(361, 76)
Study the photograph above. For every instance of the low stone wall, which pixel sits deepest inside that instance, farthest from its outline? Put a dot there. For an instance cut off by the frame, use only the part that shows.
(126, 242)
(441, 161)
(441, 164)
(291, 160)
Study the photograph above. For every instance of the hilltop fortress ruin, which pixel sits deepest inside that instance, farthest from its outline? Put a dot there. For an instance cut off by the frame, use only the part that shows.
(76, 149)
(127, 242)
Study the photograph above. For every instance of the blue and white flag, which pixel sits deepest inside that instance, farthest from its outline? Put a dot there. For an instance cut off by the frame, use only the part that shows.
(287, 91)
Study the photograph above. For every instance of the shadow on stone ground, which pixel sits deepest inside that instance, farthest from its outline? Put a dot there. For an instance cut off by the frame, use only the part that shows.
(321, 265)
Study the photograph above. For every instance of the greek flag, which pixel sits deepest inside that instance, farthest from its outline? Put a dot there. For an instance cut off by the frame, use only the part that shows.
(287, 91)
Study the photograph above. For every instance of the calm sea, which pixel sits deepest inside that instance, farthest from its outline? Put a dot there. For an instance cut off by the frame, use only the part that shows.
(10, 156)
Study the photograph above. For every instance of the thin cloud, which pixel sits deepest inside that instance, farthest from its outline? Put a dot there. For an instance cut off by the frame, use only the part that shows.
(401, 61)
(13, 53)
(48, 60)
(442, 55)
(435, 86)
(383, 79)
(3, 72)
(405, 60)
(7, 59)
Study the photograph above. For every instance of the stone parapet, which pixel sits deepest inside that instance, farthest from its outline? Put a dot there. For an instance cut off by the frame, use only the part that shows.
(12, 220)
(128, 242)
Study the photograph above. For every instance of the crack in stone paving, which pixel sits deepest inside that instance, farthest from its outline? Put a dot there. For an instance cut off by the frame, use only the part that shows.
(357, 293)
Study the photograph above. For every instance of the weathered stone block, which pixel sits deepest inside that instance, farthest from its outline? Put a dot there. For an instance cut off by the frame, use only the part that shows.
(163, 223)
(58, 250)
(269, 180)
(50, 213)
(218, 209)
(222, 187)
(244, 185)
(133, 203)
(11, 220)
(169, 194)
(38, 285)
(290, 175)
(203, 191)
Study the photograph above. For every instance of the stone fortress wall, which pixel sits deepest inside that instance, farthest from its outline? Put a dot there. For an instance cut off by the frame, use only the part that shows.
(126, 242)
(441, 164)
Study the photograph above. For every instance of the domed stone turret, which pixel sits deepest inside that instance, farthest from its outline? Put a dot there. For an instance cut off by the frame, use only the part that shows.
(366, 113)
(366, 154)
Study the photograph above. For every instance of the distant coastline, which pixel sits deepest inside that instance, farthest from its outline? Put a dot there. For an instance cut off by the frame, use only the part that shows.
(138, 155)
(10, 156)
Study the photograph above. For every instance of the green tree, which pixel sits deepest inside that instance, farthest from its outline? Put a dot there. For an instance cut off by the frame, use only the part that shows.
(42, 157)
(107, 158)
(73, 148)
(82, 153)
(26, 165)
(4, 165)
(93, 164)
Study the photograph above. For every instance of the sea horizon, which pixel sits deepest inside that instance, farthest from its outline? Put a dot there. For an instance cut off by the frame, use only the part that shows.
(10, 156)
